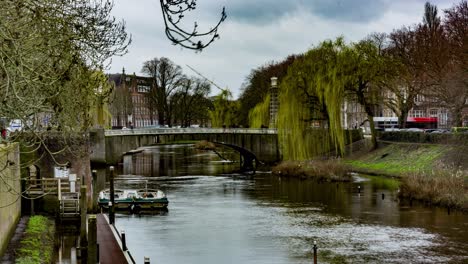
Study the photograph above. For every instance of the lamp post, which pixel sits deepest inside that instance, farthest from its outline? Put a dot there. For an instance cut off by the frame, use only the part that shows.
(274, 103)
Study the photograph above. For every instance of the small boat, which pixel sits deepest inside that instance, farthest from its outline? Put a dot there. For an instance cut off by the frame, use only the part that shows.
(134, 200)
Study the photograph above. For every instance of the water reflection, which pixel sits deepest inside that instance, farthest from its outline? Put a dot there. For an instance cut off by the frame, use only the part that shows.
(234, 219)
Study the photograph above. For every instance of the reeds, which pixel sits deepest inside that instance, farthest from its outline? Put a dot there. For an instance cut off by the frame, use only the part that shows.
(205, 145)
(325, 170)
(445, 187)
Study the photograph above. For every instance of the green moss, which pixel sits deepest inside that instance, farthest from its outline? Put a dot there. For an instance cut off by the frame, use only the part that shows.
(38, 243)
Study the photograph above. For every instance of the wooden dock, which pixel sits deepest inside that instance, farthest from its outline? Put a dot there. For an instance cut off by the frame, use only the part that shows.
(66, 191)
(110, 246)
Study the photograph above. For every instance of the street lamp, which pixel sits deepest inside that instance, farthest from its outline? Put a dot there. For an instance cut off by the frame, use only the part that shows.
(274, 82)
(274, 103)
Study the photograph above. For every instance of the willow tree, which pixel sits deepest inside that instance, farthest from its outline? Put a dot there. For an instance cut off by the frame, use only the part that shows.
(259, 116)
(312, 94)
(309, 121)
(224, 112)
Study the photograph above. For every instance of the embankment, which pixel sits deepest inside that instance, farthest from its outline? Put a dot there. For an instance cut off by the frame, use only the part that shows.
(10, 189)
(433, 173)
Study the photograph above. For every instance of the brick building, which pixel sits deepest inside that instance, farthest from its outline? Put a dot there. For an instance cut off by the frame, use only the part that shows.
(129, 105)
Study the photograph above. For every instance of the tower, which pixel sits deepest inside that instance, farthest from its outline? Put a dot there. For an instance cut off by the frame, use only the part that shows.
(274, 103)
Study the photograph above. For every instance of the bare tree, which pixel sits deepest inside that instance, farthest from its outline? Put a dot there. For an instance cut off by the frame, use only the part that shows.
(173, 13)
(51, 57)
(167, 78)
(412, 80)
(190, 102)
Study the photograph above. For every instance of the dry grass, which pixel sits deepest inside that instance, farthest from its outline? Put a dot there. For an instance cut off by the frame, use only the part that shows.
(205, 145)
(328, 170)
(445, 187)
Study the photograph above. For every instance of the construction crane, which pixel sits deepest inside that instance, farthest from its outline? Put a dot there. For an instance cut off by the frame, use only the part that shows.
(210, 81)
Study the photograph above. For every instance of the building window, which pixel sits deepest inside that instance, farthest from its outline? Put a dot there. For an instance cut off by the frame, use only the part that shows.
(433, 112)
(443, 116)
(143, 88)
(419, 98)
(417, 113)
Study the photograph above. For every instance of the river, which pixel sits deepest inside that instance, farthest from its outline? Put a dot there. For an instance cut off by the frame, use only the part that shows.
(217, 216)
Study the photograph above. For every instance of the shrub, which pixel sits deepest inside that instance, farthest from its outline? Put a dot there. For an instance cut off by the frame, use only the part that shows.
(205, 145)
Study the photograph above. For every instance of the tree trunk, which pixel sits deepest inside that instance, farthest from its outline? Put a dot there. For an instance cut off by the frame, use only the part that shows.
(373, 131)
(457, 117)
(402, 118)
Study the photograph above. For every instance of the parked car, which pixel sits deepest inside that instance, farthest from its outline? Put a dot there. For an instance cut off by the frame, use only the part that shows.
(440, 131)
(414, 129)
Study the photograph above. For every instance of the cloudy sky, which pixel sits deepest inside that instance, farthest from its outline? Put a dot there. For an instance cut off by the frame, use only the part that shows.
(257, 31)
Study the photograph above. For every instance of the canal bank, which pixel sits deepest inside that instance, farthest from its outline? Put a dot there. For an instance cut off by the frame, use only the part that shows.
(433, 173)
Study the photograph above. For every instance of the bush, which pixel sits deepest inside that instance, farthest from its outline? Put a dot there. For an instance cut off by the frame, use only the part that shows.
(460, 129)
(329, 170)
(420, 137)
(205, 145)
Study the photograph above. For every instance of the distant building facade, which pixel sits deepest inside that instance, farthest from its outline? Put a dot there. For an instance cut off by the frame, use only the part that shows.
(130, 105)
(426, 113)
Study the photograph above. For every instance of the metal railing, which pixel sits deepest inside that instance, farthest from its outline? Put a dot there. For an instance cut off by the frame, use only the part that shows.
(160, 131)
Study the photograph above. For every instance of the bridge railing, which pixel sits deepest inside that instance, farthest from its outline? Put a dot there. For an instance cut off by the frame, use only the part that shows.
(158, 131)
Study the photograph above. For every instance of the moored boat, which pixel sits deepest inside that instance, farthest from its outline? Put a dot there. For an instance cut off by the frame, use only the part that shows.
(134, 200)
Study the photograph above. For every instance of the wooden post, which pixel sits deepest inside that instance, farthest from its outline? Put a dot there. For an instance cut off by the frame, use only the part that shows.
(83, 239)
(112, 196)
(92, 239)
(315, 252)
(124, 241)
(32, 206)
(59, 189)
(93, 189)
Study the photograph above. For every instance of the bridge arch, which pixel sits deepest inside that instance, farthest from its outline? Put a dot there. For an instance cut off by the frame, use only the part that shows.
(248, 162)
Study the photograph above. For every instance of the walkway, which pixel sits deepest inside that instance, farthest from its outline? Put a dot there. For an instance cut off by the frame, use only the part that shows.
(9, 255)
(109, 250)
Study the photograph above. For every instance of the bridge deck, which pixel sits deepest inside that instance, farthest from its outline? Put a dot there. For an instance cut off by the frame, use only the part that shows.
(162, 131)
(109, 249)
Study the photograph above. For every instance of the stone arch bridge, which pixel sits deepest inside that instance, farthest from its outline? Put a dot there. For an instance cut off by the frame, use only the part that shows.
(108, 146)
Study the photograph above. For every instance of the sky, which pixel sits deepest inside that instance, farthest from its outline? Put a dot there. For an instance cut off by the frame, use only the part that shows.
(256, 32)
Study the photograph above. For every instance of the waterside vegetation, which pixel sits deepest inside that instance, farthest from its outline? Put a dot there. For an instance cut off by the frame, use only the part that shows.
(322, 170)
(438, 187)
(37, 246)
(434, 174)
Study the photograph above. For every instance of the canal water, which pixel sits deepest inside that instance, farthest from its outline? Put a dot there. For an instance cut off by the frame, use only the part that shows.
(218, 216)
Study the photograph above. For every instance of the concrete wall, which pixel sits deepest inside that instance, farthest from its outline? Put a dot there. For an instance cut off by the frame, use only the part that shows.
(10, 187)
(264, 146)
(98, 147)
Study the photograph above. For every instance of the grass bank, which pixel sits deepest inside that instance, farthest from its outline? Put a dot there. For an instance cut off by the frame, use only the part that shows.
(325, 170)
(37, 246)
(435, 174)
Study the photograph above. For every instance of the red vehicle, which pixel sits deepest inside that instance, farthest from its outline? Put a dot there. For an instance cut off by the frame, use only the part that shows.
(385, 123)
